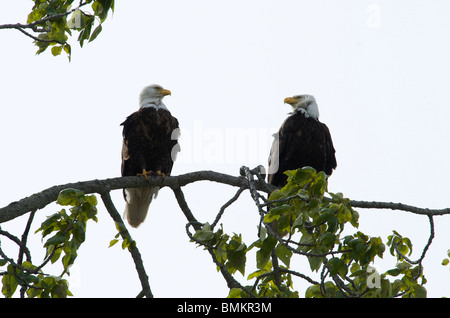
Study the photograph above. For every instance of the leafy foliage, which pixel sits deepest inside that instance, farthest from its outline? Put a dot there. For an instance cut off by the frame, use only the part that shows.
(64, 231)
(312, 226)
(56, 20)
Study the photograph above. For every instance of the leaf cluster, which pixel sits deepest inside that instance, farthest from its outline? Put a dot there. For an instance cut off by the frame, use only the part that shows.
(229, 250)
(301, 221)
(65, 232)
(68, 229)
(56, 20)
(36, 283)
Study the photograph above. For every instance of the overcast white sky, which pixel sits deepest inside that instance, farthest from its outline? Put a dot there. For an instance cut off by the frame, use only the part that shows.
(378, 69)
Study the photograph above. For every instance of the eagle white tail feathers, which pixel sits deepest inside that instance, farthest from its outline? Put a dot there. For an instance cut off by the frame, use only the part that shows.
(137, 202)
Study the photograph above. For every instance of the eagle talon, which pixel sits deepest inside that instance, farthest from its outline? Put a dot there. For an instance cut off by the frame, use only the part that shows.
(161, 174)
(145, 173)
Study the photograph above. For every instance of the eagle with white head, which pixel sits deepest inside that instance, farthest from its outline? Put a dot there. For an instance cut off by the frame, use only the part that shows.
(301, 141)
(149, 147)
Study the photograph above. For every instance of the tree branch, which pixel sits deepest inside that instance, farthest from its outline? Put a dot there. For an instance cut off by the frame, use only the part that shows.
(249, 180)
(398, 206)
(135, 254)
(40, 200)
(179, 195)
(35, 25)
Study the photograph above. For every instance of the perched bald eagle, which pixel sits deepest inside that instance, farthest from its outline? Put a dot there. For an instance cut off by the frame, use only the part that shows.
(301, 141)
(150, 145)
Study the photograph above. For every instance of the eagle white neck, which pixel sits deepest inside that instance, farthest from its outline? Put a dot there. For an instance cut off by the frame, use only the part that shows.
(312, 110)
(152, 102)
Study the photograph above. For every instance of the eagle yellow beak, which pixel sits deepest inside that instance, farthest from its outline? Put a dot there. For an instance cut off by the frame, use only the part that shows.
(290, 100)
(165, 92)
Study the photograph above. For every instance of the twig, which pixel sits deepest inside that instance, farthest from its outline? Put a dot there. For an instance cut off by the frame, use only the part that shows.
(425, 249)
(179, 195)
(226, 205)
(23, 247)
(308, 279)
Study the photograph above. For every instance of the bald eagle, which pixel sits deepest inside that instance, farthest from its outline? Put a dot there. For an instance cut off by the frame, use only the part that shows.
(301, 141)
(149, 147)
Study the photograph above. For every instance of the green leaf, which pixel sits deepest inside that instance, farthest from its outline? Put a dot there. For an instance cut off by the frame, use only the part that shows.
(79, 232)
(276, 195)
(260, 272)
(304, 175)
(236, 261)
(61, 290)
(68, 260)
(69, 197)
(101, 8)
(205, 234)
(393, 272)
(275, 213)
(355, 267)
(263, 255)
(58, 238)
(56, 50)
(9, 282)
(68, 50)
(284, 254)
(96, 32)
(420, 292)
(337, 267)
(315, 262)
(56, 255)
(221, 252)
(234, 293)
(113, 242)
(49, 223)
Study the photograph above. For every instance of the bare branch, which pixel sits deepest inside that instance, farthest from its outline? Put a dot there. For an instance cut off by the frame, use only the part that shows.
(146, 291)
(179, 195)
(226, 205)
(398, 206)
(23, 247)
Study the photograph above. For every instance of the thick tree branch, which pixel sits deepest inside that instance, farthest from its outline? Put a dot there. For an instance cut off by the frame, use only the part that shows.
(40, 200)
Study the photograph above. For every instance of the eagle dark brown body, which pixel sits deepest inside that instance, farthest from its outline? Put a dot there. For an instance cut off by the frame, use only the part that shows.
(148, 141)
(302, 140)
